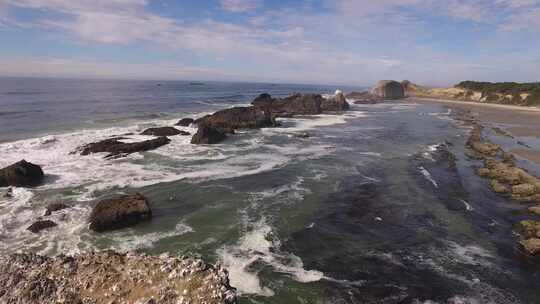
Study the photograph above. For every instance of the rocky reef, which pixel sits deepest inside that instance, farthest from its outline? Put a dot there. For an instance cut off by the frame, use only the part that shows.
(116, 148)
(120, 212)
(508, 180)
(110, 277)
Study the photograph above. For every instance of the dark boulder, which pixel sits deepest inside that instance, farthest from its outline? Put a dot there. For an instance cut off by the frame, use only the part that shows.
(41, 225)
(263, 100)
(53, 207)
(21, 174)
(8, 193)
(117, 148)
(238, 118)
(120, 212)
(208, 135)
(389, 89)
(336, 103)
(162, 131)
(184, 133)
(185, 122)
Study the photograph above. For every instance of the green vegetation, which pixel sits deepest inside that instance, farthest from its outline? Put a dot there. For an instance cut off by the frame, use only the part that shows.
(497, 91)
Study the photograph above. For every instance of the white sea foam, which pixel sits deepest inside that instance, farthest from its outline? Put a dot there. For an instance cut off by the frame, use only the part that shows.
(260, 244)
(428, 176)
(129, 240)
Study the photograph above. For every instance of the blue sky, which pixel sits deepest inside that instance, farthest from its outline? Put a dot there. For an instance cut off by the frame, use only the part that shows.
(314, 41)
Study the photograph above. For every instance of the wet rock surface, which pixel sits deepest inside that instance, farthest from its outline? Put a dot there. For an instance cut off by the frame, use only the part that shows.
(207, 135)
(116, 148)
(336, 103)
(185, 122)
(120, 212)
(110, 277)
(238, 118)
(53, 207)
(21, 174)
(41, 225)
(162, 131)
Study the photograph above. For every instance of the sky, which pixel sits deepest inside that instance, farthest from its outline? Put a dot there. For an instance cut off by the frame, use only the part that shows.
(352, 42)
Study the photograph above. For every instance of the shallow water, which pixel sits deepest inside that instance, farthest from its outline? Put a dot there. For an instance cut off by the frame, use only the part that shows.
(371, 208)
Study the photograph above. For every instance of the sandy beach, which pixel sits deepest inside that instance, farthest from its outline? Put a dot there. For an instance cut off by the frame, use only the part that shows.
(516, 120)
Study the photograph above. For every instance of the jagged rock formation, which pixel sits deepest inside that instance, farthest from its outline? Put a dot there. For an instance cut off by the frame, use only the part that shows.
(21, 174)
(117, 148)
(119, 212)
(389, 89)
(336, 103)
(110, 277)
(238, 118)
(207, 135)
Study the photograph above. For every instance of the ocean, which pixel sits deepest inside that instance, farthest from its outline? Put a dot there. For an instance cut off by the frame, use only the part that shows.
(369, 208)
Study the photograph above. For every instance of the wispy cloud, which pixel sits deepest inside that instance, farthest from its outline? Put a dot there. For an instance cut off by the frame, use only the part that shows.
(240, 6)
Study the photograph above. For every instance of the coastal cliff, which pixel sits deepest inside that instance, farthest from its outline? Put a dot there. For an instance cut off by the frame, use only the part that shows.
(509, 93)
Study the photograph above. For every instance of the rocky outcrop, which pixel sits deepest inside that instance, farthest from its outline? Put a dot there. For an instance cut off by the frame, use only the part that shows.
(110, 277)
(41, 225)
(389, 89)
(115, 147)
(263, 100)
(336, 103)
(185, 122)
(296, 104)
(53, 207)
(238, 118)
(364, 98)
(207, 135)
(120, 212)
(161, 131)
(21, 174)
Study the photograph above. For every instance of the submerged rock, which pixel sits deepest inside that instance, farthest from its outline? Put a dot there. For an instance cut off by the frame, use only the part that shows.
(185, 122)
(389, 89)
(53, 207)
(8, 193)
(109, 277)
(208, 135)
(21, 174)
(120, 212)
(161, 131)
(41, 225)
(117, 148)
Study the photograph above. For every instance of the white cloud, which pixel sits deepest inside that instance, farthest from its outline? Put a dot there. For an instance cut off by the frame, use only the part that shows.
(240, 6)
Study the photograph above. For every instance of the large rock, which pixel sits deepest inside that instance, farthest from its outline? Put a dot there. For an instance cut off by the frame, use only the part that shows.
(120, 212)
(389, 89)
(117, 148)
(110, 277)
(161, 131)
(529, 229)
(53, 207)
(238, 118)
(297, 104)
(207, 135)
(336, 103)
(185, 122)
(21, 174)
(263, 100)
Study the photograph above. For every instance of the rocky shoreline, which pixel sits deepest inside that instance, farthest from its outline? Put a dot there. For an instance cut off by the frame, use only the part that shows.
(508, 180)
(110, 277)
